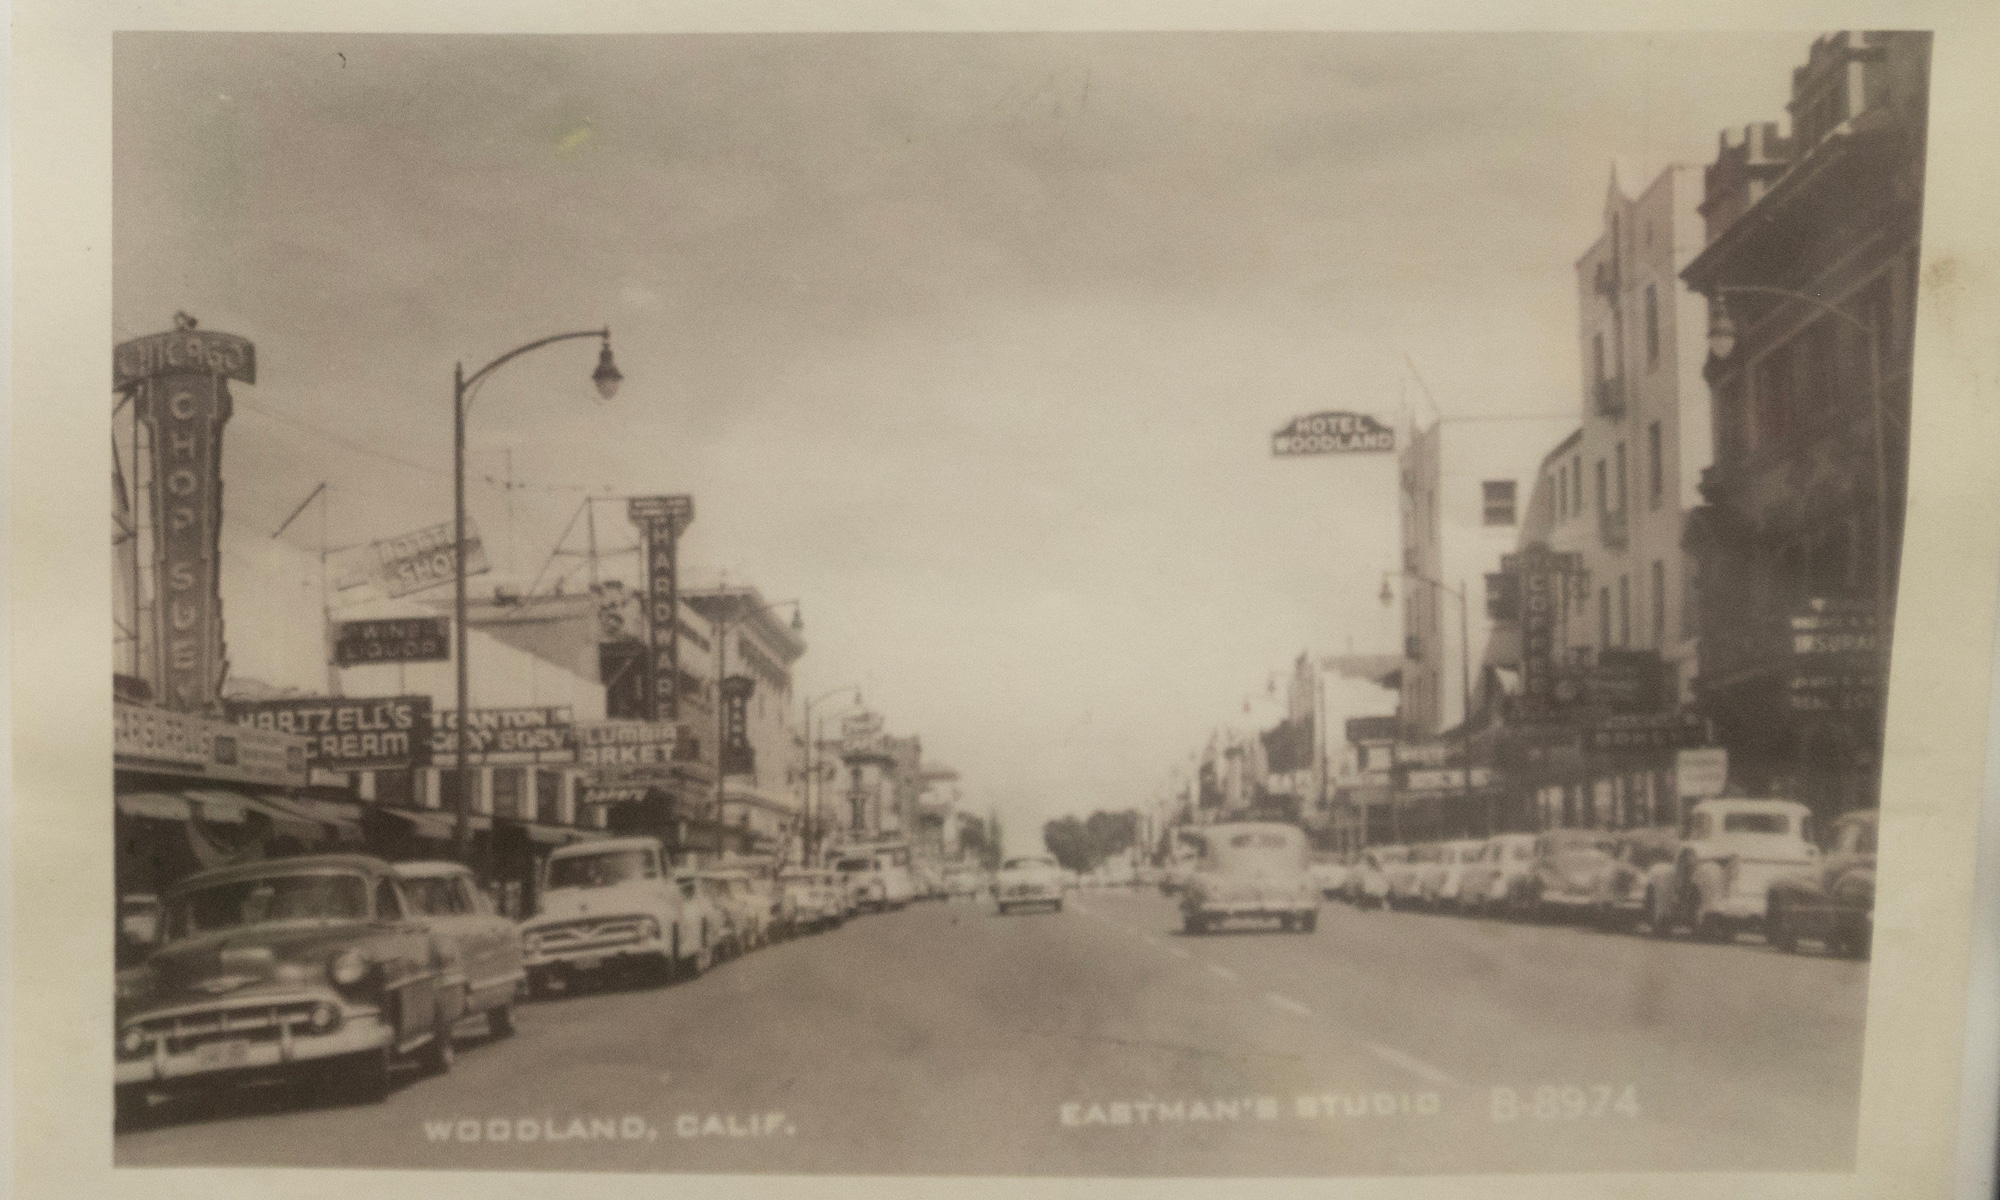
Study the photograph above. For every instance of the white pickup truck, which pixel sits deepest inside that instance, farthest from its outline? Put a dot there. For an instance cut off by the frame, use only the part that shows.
(613, 904)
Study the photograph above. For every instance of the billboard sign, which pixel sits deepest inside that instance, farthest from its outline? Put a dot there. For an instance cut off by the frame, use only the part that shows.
(1701, 774)
(1333, 433)
(507, 736)
(1838, 657)
(418, 560)
(738, 756)
(620, 745)
(394, 640)
(677, 511)
(383, 733)
(145, 738)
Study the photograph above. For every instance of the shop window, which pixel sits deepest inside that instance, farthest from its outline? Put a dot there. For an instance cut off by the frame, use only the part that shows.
(1499, 501)
(1656, 475)
(508, 788)
(1659, 604)
(548, 797)
(1624, 610)
(1652, 326)
(397, 788)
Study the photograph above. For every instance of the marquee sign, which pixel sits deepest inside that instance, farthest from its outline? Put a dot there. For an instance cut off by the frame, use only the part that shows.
(177, 382)
(1333, 433)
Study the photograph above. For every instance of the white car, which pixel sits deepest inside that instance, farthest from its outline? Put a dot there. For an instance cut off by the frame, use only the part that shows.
(1496, 872)
(609, 904)
(1330, 877)
(1032, 880)
(1733, 851)
(1444, 886)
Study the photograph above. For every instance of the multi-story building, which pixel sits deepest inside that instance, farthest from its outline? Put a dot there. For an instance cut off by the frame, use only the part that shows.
(1811, 274)
(746, 638)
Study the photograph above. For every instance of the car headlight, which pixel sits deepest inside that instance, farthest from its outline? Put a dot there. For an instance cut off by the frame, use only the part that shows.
(324, 1017)
(649, 928)
(531, 942)
(134, 1040)
(347, 967)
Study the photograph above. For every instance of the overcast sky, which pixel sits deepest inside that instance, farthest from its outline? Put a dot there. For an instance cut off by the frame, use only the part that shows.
(972, 342)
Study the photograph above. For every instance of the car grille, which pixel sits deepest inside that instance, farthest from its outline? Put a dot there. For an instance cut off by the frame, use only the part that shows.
(245, 1022)
(586, 935)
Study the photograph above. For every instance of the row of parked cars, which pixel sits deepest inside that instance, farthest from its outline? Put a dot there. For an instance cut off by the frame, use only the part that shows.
(1736, 864)
(349, 969)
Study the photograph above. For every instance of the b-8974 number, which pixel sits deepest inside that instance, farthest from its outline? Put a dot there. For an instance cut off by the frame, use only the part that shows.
(1564, 1102)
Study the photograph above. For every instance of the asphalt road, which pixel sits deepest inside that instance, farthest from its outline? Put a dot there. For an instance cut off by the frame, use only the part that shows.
(945, 1039)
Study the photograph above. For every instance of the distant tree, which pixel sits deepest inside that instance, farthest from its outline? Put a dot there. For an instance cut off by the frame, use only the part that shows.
(1069, 840)
(1082, 845)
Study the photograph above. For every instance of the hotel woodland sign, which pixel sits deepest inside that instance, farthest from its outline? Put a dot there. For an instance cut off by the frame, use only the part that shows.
(177, 383)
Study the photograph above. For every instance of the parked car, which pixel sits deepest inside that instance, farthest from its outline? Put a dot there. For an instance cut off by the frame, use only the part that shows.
(1252, 870)
(1406, 875)
(283, 966)
(1147, 875)
(1567, 873)
(1329, 875)
(610, 905)
(749, 905)
(1834, 904)
(484, 946)
(809, 900)
(1368, 882)
(1733, 850)
(1494, 872)
(1030, 880)
(1444, 883)
(1621, 898)
(965, 882)
(897, 887)
(864, 879)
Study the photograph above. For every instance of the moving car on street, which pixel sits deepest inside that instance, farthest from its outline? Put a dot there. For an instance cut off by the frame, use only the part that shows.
(611, 905)
(1567, 874)
(1252, 870)
(1733, 851)
(483, 947)
(1835, 904)
(282, 966)
(1033, 880)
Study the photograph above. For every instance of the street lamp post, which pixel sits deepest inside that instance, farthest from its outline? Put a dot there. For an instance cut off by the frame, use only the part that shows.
(812, 773)
(1464, 679)
(607, 379)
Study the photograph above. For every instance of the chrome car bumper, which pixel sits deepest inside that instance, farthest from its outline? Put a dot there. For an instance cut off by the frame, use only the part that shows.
(586, 955)
(360, 1029)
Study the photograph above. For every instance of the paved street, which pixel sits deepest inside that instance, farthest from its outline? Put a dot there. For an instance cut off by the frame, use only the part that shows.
(946, 1039)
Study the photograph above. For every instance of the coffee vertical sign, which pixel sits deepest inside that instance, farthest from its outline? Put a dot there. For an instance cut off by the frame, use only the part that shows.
(179, 383)
(660, 520)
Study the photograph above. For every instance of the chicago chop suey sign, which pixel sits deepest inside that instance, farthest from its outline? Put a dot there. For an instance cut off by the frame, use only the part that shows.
(177, 383)
(1333, 433)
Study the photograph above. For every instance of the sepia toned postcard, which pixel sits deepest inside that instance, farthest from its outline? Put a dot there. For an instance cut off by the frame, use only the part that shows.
(911, 600)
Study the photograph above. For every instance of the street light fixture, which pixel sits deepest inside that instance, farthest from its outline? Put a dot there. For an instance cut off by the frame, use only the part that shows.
(607, 379)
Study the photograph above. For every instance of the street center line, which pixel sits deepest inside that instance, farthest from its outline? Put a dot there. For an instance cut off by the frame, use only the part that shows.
(1288, 1004)
(1414, 1066)
(1222, 972)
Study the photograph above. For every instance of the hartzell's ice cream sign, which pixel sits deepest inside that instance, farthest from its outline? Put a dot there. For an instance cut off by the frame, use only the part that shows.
(1333, 433)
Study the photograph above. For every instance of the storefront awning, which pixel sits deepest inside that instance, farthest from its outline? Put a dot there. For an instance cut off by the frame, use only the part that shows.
(341, 823)
(285, 822)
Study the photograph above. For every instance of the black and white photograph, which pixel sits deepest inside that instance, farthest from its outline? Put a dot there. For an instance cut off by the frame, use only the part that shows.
(1105, 605)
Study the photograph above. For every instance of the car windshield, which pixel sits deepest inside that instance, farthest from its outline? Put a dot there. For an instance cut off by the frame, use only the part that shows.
(1756, 822)
(269, 899)
(602, 870)
(1016, 864)
(1260, 847)
(433, 895)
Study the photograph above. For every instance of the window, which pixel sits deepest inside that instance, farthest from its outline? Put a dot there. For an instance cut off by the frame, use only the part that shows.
(508, 784)
(1562, 493)
(1656, 484)
(1620, 453)
(1603, 490)
(1499, 496)
(1659, 604)
(1604, 617)
(1624, 610)
(388, 903)
(1597, 357)
(1576, 483)
(1652, 326)
(548, 794)
(397, 788)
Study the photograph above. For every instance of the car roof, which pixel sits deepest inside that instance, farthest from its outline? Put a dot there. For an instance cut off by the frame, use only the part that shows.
(428, 869)
(1750, 804)
(600, 845)
(296, 864)
(1860, 816)
(1250, 826)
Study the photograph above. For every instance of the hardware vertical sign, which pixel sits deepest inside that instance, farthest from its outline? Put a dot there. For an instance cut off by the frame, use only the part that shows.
(661, 520)
(177, 381)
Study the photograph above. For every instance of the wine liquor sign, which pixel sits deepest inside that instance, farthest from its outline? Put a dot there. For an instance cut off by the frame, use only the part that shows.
(178, 383)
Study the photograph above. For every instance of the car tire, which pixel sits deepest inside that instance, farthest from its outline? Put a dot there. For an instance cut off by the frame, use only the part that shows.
(1714, 927)
(539, 984)
(500, 1020)
(1659, 916)
(438, 1054)
(1855, 943)
(1194, 924)
(364, 1078)
(1780, 927)
(1287, 923)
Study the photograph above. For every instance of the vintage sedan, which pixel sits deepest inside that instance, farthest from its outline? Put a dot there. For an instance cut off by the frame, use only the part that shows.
(1733, 850)
(610, 905)
(810, 900)
(1443, 885)
(1406, 875)
(1029, 881)
(1252, 870)
(1621, 903)
(1566, 875)
(864, 878)
(748, 903)
(1368, 882)
(1329, 875)
(1835, 904)
(1501, 863)
(282, 966)
(485, 947)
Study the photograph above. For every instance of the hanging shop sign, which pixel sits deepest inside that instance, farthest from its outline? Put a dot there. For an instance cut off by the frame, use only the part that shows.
(615, 745)
(384, 733)
(738, 756)
(1333, 433)
(418, 560)
(1445, 779)
(1627, 681)
(394, 640)
(1837, 657)
(506, 736)
(1701, 773)
(1637, 733)
(146, 738)
(661, 519)
(1538, 573)
(178, 384)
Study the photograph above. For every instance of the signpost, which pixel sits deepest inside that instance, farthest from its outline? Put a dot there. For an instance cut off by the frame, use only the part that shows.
(178, 382)
(660, 520)
(394, 640)
(1333, 433)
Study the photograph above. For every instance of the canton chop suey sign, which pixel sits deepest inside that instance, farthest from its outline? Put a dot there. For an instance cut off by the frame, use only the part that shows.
(1333, 433)
(177, 382)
